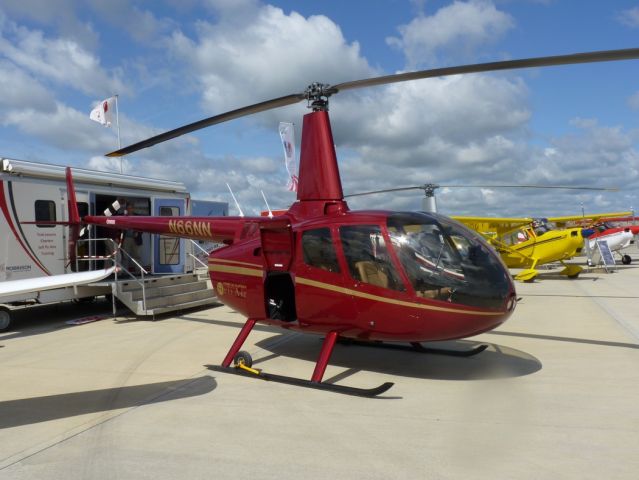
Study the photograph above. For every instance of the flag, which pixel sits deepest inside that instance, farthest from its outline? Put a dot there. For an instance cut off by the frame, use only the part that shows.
(287, 134)
(102, 112)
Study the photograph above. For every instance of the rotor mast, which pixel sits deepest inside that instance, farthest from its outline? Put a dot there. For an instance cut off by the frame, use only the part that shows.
(319, 178)
(429, 202)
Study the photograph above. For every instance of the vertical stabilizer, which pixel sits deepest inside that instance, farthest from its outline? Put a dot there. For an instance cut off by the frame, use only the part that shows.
(319, 175)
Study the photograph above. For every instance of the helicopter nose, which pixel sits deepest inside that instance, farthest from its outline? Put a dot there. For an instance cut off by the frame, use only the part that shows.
(586, 232)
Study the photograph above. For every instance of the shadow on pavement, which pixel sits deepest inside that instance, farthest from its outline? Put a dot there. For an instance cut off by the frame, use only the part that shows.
(14, 413)
(588, 341)
(495, 362)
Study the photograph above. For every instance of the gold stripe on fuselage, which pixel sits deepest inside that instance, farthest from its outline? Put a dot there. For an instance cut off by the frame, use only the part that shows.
(234, 262)
(251, 272)
(347, 291)
(377, 298)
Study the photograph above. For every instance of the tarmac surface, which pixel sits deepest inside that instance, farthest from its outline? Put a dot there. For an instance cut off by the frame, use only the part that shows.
(555, 396)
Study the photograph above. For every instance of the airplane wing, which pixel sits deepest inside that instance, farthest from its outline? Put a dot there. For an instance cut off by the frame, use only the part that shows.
(585, 220)
(16, 287)
(493, 226)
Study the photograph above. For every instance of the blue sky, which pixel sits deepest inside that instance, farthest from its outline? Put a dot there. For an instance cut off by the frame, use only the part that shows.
(176, 61)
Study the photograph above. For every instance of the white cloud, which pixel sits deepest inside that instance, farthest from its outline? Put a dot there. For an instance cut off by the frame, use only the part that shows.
(60, 13)
(58, 60)
(410, 130)
(465, 129)
(65, 15)
(265, 55)
(594, 155)
(142, 25)
(629, 17)
(25, 91)
(64, 128)
(633, 101)
(459, 28)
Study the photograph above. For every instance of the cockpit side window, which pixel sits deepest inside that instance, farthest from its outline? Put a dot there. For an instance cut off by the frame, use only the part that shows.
(429, 256)
(318, 250)
(367, 256)
(443, 260)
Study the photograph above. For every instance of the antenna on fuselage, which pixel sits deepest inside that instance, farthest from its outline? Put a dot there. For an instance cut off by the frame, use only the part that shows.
(270, 213)
(235, 200)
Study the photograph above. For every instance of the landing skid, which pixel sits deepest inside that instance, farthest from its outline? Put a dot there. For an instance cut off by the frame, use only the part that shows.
(417, 347)
(300, 382)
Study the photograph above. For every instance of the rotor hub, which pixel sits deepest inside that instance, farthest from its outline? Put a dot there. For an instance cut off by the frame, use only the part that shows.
(317, 96)
(429, 189)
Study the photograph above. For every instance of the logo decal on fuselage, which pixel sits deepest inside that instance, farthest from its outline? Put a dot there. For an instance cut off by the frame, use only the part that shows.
(235, 289)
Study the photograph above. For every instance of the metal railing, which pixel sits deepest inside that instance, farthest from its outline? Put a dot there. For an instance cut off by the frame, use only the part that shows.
(199, 247)
(115, 249)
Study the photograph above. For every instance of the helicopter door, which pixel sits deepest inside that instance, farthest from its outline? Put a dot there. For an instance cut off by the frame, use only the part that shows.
(371, 273)
(319, 279)
(277, 245)
(277, 250)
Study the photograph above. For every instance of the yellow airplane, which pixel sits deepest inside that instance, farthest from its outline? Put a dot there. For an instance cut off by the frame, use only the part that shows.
(529, 242)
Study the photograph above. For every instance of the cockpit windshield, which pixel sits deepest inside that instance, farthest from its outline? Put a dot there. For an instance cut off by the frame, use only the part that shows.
(444, 260)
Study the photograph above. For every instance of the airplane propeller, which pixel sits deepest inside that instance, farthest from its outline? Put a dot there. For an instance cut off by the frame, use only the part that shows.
(317, 94)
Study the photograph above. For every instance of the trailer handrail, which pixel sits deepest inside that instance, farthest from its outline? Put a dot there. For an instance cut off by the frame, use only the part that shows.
(119, 266)
(198, 260)
(198, 246)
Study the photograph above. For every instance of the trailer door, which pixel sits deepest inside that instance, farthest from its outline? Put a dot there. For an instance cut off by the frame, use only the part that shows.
(168, 251)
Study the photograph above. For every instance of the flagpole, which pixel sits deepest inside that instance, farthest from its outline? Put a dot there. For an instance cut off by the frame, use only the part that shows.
(117, 122)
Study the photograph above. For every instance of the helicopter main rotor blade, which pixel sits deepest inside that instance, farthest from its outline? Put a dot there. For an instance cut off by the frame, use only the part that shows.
(561, 187)
(434, 186)
(207, 122)
(575, 58)
(399, 189)
(326, 91)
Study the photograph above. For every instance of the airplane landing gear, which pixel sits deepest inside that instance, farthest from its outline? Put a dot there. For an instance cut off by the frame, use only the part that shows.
(625, 259)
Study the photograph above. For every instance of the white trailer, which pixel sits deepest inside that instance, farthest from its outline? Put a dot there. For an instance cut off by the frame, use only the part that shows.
(37, 192)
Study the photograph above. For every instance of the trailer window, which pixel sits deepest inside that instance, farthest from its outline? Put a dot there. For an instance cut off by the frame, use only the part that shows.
(169, 211)
(45, 212)
(83, 209)
(169, 246)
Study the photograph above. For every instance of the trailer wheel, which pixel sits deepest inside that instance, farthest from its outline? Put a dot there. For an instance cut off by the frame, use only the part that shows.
(84, 300)
(5, 319)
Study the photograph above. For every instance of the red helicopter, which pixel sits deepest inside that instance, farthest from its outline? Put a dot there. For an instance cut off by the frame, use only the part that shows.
(368, 276)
